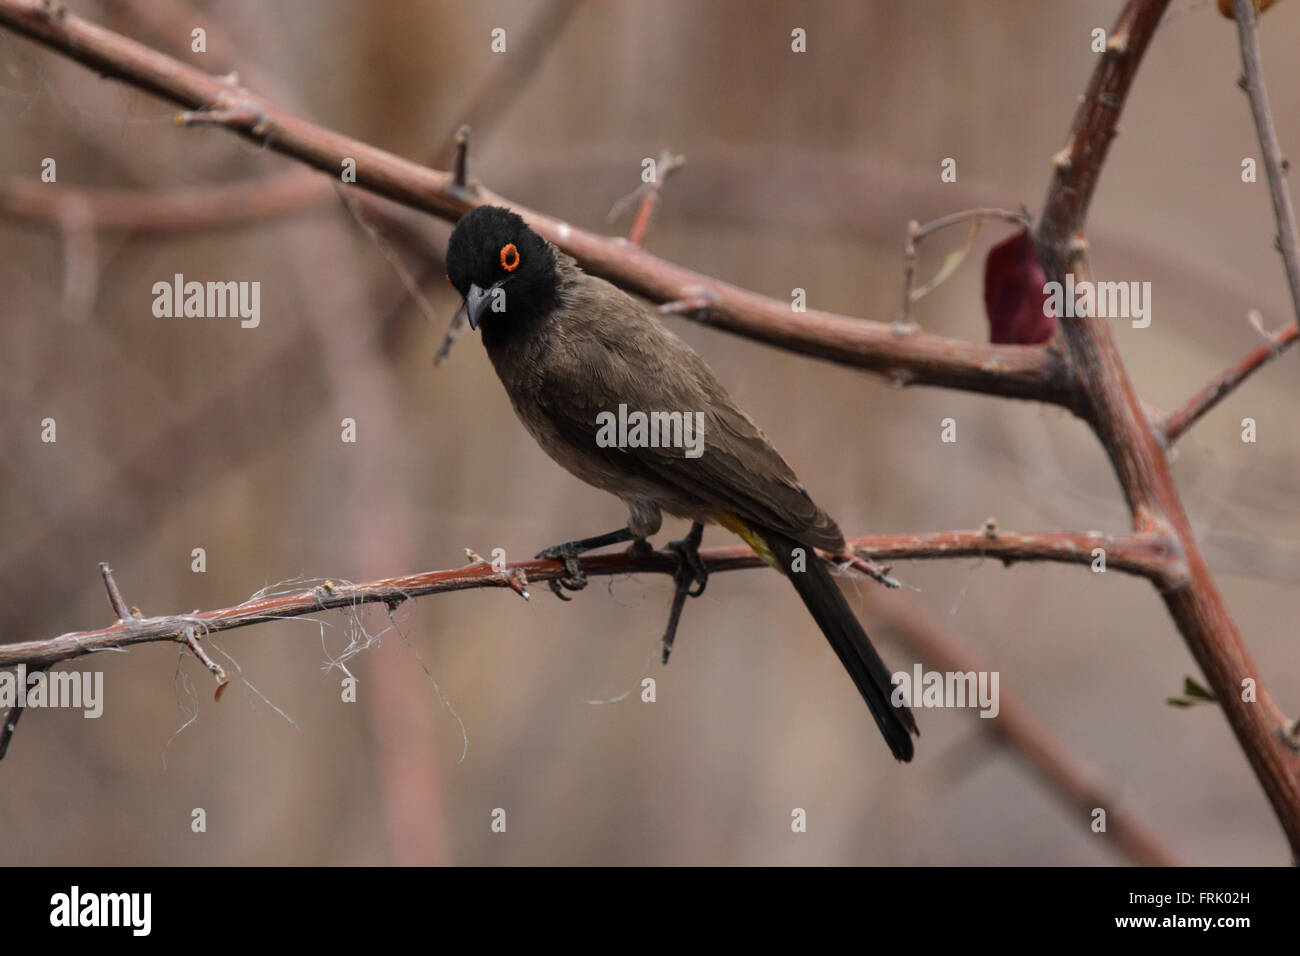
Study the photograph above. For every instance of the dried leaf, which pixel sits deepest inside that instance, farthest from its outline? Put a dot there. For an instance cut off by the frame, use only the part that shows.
(1014, 294)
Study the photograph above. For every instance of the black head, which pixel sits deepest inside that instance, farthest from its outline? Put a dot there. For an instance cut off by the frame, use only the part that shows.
(505, 272)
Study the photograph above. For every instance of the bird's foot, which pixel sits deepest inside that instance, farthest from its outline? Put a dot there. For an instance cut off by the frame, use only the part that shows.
(640, 548)
(575, 579)
(692, 570)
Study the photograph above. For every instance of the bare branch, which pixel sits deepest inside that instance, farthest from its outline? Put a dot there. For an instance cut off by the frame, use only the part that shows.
(916, 233)
(1172, 426)
(114, 595)
(1146, 556)
(1015, 371)
(1112, 407)
(191, 640)
(648, 196)
(1274, 162)
(460, 163)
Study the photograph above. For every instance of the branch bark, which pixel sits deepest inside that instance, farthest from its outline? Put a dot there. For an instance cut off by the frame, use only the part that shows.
(1275, 163)
(1035, 372)
(1112, 407)
(1172, 426)
(1146, 556)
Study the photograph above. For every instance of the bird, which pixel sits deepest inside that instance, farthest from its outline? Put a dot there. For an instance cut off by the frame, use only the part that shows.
(573, 352)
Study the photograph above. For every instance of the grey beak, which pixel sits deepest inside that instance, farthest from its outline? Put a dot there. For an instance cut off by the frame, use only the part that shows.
(476, 302)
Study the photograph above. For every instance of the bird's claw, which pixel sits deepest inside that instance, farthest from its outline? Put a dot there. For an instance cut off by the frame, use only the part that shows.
(640, 548)
(575, 579)
(688, 552)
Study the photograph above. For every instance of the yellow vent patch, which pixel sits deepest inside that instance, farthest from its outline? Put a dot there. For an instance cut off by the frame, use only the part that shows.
(733, 524)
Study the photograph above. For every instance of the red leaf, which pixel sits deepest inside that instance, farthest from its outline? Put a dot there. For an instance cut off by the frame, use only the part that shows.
(1013, 294)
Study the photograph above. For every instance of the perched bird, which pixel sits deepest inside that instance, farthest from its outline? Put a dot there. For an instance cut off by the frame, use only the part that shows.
(573, 351)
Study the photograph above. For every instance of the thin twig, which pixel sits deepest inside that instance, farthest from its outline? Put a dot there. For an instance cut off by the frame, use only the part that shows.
(648, 196)
(191, 640)
(917, 232)
(114, 595)
(1275, 163)
(1172, 426)
(461, 160)
(968, 215)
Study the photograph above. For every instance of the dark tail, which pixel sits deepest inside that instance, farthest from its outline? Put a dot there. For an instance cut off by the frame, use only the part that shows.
(834, 616)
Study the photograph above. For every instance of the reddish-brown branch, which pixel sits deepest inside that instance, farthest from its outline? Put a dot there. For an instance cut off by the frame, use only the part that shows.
(223, 205)
(1078, 166)
(1112, 407)
(1144, 556)
(1069, 777)
(1170, 428)
(1034, 372)
(1150, 556)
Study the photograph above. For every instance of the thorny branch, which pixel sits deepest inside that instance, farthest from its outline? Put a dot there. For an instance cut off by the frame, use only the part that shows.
(1147, 556)
(1017, 371)
(1111, 406)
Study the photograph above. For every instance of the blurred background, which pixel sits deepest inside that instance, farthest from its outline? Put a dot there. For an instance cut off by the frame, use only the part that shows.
(802, 171)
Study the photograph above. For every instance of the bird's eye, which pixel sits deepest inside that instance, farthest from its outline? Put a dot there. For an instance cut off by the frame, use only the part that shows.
(509, 257)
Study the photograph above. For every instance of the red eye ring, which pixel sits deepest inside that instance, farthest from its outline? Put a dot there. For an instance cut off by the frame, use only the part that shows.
(509, 257)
